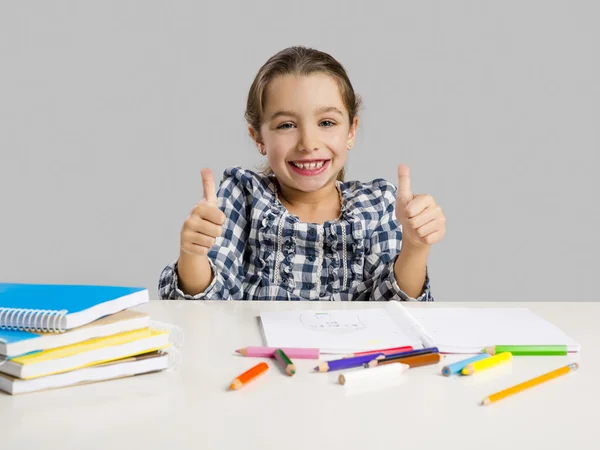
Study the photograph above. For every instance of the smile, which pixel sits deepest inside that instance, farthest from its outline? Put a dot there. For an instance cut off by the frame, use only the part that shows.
(309, 167)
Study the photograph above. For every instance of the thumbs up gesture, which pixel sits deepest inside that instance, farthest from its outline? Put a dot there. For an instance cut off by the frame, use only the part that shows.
(204, 224)
(423, 222)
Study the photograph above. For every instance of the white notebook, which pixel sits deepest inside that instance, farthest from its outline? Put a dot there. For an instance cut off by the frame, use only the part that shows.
(135, 365)
(451, 330)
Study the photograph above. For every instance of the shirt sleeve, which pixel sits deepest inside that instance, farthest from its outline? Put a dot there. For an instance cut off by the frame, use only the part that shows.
(226, 256)
(379, 280)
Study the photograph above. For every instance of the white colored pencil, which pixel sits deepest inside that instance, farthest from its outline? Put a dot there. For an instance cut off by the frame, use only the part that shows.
(373, 375)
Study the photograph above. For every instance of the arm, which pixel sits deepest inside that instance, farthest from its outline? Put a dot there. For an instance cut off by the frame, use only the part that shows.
(410, 269)
(218, 275)
(392, 270)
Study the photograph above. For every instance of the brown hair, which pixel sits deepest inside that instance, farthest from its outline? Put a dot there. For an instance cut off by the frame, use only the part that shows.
(298, 61)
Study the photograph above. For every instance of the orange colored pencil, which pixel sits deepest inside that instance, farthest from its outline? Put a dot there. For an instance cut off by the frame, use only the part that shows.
(530, 383)
(249, 375)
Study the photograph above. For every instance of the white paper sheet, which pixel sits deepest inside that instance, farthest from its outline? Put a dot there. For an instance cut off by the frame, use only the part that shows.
(338, 331)
(462, 330)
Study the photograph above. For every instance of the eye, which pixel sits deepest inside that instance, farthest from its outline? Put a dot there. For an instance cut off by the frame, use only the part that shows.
(327, 123)
(285, 126)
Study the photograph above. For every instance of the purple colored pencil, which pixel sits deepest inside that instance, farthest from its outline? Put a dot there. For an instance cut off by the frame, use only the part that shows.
(347, 363)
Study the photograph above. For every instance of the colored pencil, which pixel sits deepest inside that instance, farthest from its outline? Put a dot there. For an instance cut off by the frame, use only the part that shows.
(394, 356)
(425, 359)
(385, 351)
(530, 383)
(346, 363)
(269, 352)
(375, 375)
(249, 375)
(486, 363)
(286, 363)
(528, 350)
(458, 366)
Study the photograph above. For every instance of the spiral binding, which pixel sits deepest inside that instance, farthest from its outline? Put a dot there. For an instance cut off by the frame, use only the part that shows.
(33, 319)
(176, 337)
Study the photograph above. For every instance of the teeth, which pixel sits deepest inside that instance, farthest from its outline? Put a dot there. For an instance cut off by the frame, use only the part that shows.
(309, 166)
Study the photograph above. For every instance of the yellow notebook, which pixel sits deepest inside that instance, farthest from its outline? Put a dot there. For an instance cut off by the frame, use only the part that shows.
(87, 353)
(15, 343)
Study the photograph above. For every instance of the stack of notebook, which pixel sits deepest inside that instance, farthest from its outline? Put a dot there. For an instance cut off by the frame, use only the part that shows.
(54, 336)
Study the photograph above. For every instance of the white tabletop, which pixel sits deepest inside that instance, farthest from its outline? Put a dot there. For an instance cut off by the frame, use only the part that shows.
(191, 407)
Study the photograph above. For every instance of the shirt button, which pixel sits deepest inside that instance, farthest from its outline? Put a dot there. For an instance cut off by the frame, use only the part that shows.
(309, 286)
(312, 232)
(311, 258)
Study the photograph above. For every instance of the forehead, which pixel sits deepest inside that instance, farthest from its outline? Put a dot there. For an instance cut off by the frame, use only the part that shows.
(297, 92)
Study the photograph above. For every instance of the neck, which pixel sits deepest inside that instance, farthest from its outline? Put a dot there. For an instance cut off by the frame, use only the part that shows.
(318, 206)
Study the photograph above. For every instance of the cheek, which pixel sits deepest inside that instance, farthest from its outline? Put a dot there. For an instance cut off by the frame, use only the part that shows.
(276, 154)
(279, 142)
(338, 143)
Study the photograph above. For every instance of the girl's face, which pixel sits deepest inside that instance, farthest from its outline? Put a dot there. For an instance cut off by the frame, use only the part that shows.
(305, 130)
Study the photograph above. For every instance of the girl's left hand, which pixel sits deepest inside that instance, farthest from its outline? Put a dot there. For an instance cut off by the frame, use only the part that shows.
(423, 222)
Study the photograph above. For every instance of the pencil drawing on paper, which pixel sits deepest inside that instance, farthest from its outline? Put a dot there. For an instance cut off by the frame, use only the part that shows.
(332, 321)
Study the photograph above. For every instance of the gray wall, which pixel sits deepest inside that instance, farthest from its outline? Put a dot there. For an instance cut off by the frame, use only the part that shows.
(108, 110)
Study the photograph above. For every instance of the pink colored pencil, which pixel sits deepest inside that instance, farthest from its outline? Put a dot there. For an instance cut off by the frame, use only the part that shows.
(269, 352)
(385, 351)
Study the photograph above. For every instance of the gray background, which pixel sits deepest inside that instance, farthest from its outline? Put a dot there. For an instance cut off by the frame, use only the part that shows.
(109, 109)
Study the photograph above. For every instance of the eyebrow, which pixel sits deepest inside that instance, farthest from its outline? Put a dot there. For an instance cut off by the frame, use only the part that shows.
(321, 110)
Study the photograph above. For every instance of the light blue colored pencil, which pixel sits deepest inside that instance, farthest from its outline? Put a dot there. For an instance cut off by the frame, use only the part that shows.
(452, 369)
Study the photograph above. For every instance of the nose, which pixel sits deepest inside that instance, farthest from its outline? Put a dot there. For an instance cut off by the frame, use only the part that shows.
(309, 141)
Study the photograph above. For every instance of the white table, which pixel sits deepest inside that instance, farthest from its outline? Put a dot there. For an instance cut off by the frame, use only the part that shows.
(192, 408)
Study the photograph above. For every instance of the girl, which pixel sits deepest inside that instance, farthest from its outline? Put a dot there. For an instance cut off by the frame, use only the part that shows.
(297, 230)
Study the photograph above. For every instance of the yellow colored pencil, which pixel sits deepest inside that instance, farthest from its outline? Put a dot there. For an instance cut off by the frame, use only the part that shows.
(487, 363)
(529, 383)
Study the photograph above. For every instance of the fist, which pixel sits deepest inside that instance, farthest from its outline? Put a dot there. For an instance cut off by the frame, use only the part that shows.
(204, 224)
(423, 222)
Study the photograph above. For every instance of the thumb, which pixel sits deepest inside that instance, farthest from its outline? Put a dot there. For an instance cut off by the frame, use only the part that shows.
(208, 184)
(405, 194)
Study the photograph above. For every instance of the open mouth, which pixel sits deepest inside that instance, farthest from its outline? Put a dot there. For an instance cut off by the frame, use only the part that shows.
(313, 167)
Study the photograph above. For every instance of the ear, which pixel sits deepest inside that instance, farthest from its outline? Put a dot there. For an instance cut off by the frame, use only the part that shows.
(352, 131)
(255, 135)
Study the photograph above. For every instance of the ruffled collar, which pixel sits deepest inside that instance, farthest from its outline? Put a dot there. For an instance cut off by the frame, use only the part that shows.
(343, 194)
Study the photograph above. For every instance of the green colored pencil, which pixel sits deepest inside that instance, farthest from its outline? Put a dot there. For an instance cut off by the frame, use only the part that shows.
(285, 362)
(528, 350)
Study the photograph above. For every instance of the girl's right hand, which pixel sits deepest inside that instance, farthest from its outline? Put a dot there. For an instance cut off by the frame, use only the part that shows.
(204, 224)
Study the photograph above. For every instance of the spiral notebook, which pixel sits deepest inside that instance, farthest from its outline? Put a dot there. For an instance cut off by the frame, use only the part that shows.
(60, 307)
(452, 330)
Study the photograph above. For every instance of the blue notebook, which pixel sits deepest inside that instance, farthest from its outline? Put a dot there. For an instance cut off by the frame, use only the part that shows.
(60, 307)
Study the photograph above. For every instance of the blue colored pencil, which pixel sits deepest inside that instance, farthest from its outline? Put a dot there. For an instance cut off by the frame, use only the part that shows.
(458, 366)
(347, 363)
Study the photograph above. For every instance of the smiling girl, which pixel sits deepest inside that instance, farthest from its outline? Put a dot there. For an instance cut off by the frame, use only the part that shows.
(297, 230)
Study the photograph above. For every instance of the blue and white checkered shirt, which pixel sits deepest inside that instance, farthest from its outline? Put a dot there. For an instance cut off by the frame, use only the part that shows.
(267, 253)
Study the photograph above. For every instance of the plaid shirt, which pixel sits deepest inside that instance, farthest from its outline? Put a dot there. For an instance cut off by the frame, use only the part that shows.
(267, 253)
